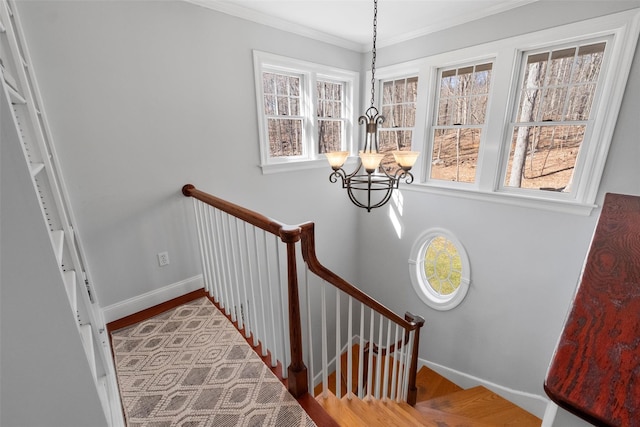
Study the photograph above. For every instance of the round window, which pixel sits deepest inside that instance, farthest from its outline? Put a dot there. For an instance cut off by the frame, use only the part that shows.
(439, 269)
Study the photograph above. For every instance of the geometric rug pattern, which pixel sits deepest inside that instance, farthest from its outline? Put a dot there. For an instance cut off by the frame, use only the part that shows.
(190, 367)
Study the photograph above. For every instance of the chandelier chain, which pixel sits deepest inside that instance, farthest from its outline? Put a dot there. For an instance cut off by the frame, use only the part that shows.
(373, 52)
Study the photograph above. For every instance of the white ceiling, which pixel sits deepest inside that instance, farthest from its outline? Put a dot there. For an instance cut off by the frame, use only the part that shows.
(349, 23)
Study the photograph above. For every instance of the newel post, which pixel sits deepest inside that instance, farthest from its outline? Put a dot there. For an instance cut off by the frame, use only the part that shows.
(412, 394)
(297, 371)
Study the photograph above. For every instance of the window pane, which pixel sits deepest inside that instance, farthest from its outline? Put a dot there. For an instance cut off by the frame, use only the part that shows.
(269, 83)
(478, 109)
(560, 67)
(283, 106)
(281, 94)
(455, 154)
(442, 266)
(399, 112)
(529, 105)
(543, 157)
(270, 105)
(285, 137)
(329, 135)
(463, 95)
(412, 89)
(579, 103)
(556, 85)
(588, 63)
(399, 91)
(553, 103)
(330, 105)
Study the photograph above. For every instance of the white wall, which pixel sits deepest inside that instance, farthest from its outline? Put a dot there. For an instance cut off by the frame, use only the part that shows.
(45, 376)
(525, 263)
(144, 97)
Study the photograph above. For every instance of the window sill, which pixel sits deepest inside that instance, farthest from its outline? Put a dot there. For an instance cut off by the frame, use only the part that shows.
(303, 165)
(294, 166)
(527, 201)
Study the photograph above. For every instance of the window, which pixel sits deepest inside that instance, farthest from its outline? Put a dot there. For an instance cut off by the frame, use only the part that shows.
(463, 95)
(304, 111)
(526, 120)
(398, 105)
(557, 90)
(439, 269)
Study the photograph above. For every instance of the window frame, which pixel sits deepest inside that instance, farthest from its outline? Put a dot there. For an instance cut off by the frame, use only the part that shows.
(507, 54)
(309, 73)
(420, 282)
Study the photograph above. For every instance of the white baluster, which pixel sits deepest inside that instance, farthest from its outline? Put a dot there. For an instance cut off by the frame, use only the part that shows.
(273, 341)
(338, 370)
(350, 350)
(252, 303)
(370, 365)
(203, 255)
(407, 361)
(213, 255)
(385, 390)
(378, 381)
(261, 306)
(228, 254)
(361, 355)
(309, 327)
(325, 367)
(394, 375)
(220, 259)
(283, 286)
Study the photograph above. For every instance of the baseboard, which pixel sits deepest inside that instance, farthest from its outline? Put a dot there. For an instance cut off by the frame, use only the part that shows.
(538, 405)
(142, 302)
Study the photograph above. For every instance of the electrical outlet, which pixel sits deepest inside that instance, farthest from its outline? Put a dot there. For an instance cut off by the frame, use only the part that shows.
(163, 259)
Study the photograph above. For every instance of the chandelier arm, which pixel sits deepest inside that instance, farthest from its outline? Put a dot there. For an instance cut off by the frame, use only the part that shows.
(385, 199)
(355, 172)
(355, 201)
(338, 173)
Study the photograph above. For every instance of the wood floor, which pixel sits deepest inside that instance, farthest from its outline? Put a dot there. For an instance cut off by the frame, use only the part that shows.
(441, 403)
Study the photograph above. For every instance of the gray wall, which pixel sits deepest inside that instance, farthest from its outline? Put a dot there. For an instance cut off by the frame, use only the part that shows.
(143, 97)
(525, 263)
(146, 96)
(46, 380)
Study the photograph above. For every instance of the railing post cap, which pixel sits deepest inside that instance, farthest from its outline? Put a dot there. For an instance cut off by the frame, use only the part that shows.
(290, 233)
(186, 189)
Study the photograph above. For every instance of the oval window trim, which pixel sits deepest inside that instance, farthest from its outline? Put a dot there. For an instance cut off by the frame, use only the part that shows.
(419, 279)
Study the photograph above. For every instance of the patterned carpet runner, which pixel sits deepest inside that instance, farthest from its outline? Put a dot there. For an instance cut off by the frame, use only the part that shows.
(189, 366)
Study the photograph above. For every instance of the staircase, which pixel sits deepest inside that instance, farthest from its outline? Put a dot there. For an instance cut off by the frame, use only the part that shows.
(440, 403)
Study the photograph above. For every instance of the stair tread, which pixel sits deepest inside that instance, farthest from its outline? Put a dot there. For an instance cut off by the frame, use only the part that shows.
(431, 384)
(437, 418)
(376, 412)
(355, 412)
(481, 404)
(342, 414)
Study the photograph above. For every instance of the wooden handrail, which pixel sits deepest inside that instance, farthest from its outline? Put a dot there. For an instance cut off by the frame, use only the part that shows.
(290, 235)
(272, 226)
(309, 255)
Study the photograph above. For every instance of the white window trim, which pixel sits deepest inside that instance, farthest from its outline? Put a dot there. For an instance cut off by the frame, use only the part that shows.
(624, 29)
(311, 72)
(421, 284)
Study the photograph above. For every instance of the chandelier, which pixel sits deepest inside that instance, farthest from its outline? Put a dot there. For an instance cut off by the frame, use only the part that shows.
(373, 187)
